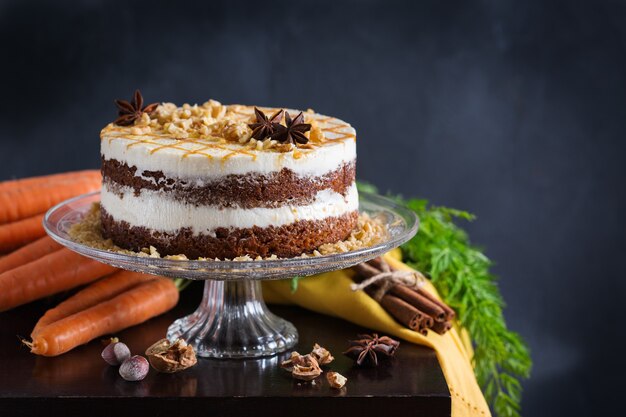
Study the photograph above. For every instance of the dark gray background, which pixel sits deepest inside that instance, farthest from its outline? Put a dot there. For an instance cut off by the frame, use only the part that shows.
(515, 111)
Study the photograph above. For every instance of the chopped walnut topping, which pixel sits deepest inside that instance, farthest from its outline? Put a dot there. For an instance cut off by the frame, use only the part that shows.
(316, 135)
(140, 130)
(322, 355)
(234, 131)
(336, 380)
(210, 120)
(214, 122)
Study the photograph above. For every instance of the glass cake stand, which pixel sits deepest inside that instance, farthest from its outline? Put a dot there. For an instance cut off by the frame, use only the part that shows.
(232, 320)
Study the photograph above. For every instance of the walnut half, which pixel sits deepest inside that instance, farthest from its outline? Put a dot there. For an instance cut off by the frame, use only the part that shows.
(303, 367)
(294, 359)
(322, 355)
(307, 369)
(171, 357)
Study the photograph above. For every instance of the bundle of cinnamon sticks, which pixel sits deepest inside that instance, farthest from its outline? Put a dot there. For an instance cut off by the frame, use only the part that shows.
(410, 305)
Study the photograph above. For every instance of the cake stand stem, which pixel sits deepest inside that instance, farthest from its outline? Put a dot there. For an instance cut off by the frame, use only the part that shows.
(233, 321)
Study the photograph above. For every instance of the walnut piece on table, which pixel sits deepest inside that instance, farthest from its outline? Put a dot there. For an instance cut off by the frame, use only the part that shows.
(322, 355)
(303, 367)
(336, 380)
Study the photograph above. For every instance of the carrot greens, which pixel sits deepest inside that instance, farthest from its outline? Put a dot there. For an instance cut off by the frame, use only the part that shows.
(461, 273)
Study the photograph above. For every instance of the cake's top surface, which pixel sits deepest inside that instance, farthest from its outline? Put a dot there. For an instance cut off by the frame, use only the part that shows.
(202, 139)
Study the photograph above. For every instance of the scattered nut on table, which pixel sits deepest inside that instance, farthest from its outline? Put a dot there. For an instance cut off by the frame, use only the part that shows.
(134, 368)
(115, 353)
(294, 358)
(171, 357)
(336, 380)
(322, 355)
(306, 368)
(298, 360)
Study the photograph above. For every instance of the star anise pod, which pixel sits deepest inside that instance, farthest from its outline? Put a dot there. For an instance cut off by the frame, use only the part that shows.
(369, 348)
(128, 112)
(293, 132)
(264, 126)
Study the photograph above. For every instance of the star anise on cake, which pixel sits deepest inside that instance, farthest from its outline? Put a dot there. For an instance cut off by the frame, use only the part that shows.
(264, 126)
(294, 130)
(128, 112)
(367, 349)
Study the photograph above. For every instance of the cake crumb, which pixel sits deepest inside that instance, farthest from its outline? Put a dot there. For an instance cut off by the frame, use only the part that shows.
(369, 232)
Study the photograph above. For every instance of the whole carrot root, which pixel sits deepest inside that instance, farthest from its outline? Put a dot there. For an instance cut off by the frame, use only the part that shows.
(127, 309)
(17, 203)
(29, 253)
(97, 292)
(65, 178)
(19, 233)
(56, 272)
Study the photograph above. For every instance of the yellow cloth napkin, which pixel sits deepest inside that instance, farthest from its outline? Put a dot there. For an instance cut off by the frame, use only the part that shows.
(330, 294)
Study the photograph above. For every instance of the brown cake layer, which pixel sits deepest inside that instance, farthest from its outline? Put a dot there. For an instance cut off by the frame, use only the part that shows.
(283, 241)
(246, 191)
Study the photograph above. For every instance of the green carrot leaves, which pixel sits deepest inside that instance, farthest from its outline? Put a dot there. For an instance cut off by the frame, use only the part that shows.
(461, 273)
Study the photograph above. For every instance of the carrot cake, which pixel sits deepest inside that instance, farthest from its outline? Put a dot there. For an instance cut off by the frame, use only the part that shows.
(222, 181)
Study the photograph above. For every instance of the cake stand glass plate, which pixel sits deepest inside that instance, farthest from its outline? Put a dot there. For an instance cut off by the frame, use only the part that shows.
(232, 320)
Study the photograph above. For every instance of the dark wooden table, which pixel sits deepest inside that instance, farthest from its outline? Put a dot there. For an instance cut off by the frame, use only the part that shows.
(79, 383)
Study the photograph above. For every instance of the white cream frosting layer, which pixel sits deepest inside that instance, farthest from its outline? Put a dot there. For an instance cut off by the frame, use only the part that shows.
(154, 210)
(173, 163)
(193, 159)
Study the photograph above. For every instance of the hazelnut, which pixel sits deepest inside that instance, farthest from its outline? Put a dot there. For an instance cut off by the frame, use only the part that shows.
(115, 353)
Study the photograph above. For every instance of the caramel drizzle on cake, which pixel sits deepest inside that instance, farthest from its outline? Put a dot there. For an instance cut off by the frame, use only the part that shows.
(332, 128)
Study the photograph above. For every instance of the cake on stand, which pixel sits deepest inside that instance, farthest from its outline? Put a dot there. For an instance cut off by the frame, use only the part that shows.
(232, 320)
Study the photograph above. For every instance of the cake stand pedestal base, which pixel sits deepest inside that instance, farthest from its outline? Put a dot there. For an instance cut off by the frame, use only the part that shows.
(233, 321)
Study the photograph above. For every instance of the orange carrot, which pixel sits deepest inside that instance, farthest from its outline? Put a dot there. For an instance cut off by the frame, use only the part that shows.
(21, 203)
(29, 253)
(56, 272)
(129, 308)
(65, 178)
(19, 233)
(97, 292)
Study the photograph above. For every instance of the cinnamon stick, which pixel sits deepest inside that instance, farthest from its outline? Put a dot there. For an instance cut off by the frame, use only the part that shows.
(379, 264)
(416, 309)
(364, 271)
(427, 322)
(450, 314)
(402, 311)
(442, 326)
(419, 301)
